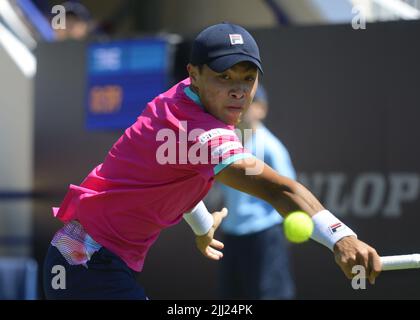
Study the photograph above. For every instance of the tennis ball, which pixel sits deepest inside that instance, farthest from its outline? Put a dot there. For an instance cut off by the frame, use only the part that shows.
(298, 227)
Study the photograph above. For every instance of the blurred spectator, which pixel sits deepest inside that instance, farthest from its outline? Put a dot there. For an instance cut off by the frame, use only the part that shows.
(79, 22)
(255, 263)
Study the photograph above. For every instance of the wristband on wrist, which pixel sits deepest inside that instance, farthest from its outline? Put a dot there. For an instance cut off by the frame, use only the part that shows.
(328, 229)
(199, 219)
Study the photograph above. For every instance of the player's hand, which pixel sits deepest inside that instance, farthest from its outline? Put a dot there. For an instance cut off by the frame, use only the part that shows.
(207, 245)
(349, 251)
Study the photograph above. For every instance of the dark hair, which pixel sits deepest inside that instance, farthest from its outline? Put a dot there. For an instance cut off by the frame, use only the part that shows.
(199, 67)
(77, 10)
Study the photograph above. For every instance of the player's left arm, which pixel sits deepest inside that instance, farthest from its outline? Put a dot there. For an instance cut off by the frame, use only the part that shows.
(286, 195)
(204, 224)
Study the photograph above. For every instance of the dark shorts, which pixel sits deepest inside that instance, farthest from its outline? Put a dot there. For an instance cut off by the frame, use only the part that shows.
(106, 277)
(256, 266)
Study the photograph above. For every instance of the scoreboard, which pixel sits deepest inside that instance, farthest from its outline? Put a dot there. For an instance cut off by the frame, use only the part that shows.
(122, 77)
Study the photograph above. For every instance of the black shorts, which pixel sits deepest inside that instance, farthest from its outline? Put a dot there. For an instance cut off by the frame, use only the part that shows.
(106, 277)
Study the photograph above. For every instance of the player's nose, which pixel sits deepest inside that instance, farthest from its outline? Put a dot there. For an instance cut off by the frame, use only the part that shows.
(238, 93)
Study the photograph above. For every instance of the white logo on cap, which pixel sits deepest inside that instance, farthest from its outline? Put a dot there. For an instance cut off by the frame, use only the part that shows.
(236, 39)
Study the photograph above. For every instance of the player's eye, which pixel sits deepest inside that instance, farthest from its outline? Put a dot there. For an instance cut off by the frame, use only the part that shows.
(250, 79)
(224, 76)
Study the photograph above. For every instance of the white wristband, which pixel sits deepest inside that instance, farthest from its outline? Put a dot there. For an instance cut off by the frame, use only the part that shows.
(199, 219)
(328, 229)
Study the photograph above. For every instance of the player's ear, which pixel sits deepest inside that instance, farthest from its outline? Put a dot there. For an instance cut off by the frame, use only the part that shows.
(193, 73)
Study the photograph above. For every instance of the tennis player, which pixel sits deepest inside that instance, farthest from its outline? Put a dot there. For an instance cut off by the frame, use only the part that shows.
(161, 168)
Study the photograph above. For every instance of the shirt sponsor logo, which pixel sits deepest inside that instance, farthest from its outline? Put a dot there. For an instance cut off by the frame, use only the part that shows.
(226, 147)
(213, 133)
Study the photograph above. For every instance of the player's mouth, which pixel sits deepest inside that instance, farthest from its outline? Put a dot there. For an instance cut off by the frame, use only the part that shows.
(235, 108)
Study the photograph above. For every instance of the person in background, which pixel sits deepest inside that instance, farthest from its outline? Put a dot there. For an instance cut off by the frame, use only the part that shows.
(79, 23)
(256, 262)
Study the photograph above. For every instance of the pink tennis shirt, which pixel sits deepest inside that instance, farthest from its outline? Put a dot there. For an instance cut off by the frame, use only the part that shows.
(159, 169)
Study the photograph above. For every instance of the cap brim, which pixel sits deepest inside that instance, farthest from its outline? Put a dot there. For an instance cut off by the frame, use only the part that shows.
(223, 63)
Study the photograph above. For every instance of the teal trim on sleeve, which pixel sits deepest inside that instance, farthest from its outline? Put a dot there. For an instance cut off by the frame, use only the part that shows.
(231, 160)
(193, 96)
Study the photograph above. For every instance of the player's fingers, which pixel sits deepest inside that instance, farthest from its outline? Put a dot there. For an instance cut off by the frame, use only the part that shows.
(362, 260)
(376, 266)
(212, 256)
(376, 262)
(224, 212)
(217, 244)
(214, 252)
(209, 254)
(346, 266)
(218, 216)
(347, 272)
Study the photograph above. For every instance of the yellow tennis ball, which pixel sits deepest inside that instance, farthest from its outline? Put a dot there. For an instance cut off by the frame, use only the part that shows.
(298, 227)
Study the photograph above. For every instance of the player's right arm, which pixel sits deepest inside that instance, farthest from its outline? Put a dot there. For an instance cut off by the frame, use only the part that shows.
(287, 195)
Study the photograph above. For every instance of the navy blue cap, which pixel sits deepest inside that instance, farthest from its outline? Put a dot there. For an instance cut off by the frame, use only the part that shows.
(223, 45)
(77, 9)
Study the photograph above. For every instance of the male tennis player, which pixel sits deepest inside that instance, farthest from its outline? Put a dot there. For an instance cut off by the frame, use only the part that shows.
(161, 168)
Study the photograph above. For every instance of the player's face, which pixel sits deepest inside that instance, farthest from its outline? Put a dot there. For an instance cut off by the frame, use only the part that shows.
(226, 95)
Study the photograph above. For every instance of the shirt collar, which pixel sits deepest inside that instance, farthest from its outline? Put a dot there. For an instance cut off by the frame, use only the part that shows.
(193, 96)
